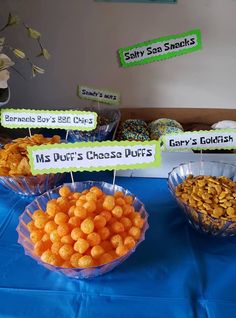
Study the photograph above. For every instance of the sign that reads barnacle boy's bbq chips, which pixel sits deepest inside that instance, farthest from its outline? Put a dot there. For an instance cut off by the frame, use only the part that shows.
(161, 48)
(200, 140)
(95, 156)
(62, 119)
(99, 95)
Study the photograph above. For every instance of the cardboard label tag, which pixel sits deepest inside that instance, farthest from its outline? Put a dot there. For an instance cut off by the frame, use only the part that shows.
(200, 140)
(62, 119)
(161, 48)
(94, 156)
(103, 96)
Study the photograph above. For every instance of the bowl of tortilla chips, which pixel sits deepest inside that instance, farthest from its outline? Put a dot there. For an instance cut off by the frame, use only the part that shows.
(15, 172)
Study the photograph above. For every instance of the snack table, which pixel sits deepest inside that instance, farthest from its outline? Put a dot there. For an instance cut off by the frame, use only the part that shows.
(175, 272)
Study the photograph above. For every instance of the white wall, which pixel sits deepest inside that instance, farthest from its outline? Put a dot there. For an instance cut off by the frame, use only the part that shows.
(83, 37)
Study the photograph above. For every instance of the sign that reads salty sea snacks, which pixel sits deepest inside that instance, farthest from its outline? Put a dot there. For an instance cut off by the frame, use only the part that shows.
(200, 140)
(103, 96)
(161, 49)
(94, 156)
(62, 119)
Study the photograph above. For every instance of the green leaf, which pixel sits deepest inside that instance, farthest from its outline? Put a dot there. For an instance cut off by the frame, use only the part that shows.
(12, 20)
(36, 69)
(46, 54)
(19, 53)
(33, 34)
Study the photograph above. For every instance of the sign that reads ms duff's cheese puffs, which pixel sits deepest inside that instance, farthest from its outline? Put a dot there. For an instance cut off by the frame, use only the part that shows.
(94, 156)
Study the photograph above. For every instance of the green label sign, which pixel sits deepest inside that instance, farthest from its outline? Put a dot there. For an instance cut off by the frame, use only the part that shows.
(94, 156)
(103, 96)
(161, 48)
(62, 119)
(200, 140)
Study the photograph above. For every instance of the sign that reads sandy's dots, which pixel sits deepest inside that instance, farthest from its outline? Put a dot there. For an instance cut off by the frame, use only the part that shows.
(99, 95)
(161, 48)
(94, 156)
(62, 119)
(200, 140)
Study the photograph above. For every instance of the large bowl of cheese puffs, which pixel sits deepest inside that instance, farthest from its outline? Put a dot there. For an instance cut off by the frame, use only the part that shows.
(15, 172)
(83, 229)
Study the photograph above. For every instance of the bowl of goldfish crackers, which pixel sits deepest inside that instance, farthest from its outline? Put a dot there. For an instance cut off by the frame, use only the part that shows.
(15, 173)
(83, 229)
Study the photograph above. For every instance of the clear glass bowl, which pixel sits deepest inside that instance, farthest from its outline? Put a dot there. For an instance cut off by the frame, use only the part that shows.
(41, 202)
(203, 223)
(101, 133)
(32, 185)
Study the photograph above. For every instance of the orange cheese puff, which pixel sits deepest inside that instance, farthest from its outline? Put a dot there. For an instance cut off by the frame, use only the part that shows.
(41, 221)
(97, 191)
(138, 221)
(81, 245)
(117, 211)
(50, 226)
(61, 218)
(66, 264)
(121, 250)
(85, 191)
(76, 195)
(109, 202)
(46, 237)
(66, 251)
(85, 261)
(90, 206)
(99, 221)
(46, 256)
(55, 260)
(105, 258)
(52, 208)
(67, 239)
(37, 214)
(107, 246)
(126, 222)
(99, 205)
(104, 233)
(118, 194)
(64, 191)
(93, 239)
(106, 214)
(56, 247)
(81, 212)
(74, 259)
(54, 236)
(116, 240)
(31, 227)
(87, 226)
(120, 201)
(117, 227)
(63, 229)
(71, 210)
(128, 199)
(36, 236)
(41, 247)
(135, 232)
(80, 202)
(77, 233)
(128, 209)
(91, 196)
(97, 251)
(129, 242)
(74, 221)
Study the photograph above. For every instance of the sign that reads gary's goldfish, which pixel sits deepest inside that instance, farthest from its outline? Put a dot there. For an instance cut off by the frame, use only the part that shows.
(94, 156)
(160, 49)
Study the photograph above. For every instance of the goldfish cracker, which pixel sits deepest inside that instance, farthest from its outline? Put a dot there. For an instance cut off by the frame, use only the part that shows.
(129, 242)
(56, 247)
(74, 259)
(54, 236)
(97, 251)
(74, 221)
(117, 211)
(77, 233)
(93, 239)
(66, 251)
(63, 229)
(106, 214)
(50, 226)
(81, 245)
(41, 221)
(64, 191)
(67, 239)
(126, 222)
(138, 221)
(36, 236)
(109, 202)
(116, 240)
(104, 233)
(135, 232)
(81, 212)
(105, 258)
(31, 227)
(117, 227)
(90, 196)
(121, 250)
(90, 206)
(85, 261)
(61, 218)
(87, 226)
(99, 222)
(118, 194)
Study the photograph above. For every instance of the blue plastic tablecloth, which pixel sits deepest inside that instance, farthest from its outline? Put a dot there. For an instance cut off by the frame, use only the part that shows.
(175, 272)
